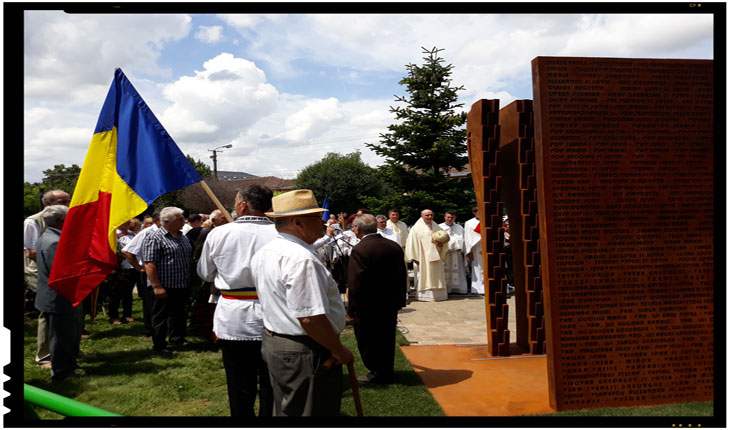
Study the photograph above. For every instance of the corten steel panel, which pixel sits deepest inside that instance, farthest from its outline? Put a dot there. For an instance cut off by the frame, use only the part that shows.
(483, 145)
(625, 188)
(517, 169)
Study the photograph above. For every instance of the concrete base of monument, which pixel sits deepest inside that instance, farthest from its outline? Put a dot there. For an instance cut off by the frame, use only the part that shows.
(467, 381)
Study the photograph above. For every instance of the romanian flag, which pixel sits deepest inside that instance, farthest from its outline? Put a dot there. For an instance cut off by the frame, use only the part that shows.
(326, 205)
(131, 161)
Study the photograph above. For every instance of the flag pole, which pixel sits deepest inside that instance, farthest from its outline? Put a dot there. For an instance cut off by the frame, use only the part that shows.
(216, 201)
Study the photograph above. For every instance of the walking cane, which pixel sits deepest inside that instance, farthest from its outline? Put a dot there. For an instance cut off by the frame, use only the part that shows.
(353, 383)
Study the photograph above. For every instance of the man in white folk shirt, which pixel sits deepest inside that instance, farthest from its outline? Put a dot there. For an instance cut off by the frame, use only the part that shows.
(238, 321)
(427, 257)
(303, 312)
(454, 268)
(473, 245)
(384, 231)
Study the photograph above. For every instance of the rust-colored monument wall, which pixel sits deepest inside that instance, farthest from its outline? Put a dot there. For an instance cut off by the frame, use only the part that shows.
(624, 152)
(484, 158)
(519, 193)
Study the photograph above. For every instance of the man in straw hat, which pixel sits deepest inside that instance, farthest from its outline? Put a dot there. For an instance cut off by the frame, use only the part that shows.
(302, 310)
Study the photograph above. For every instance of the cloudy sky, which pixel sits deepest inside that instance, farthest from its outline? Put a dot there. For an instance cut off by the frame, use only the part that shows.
(285, 89)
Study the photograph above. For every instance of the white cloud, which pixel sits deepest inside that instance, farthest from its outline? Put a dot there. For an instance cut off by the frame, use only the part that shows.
(219, 102)
(209, 34)
(312, 120)
(69, 56)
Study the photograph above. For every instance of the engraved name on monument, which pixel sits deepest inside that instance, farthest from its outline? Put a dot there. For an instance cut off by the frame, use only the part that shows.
(625, 185)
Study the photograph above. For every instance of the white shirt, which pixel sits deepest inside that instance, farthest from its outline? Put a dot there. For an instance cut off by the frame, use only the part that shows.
(292, 283)
(226, 261)
(345, 242)
(322, 241)
(123, 241)
(186, 228)
(135, 245)
(31, 233)
(390, 234)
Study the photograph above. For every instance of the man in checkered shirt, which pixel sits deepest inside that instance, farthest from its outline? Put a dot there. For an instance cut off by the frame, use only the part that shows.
(167, 256)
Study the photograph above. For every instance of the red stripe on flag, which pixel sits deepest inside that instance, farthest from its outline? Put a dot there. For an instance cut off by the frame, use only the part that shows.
(84, 257)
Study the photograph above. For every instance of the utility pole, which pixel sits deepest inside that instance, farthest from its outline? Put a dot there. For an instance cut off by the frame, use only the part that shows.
(215, 159)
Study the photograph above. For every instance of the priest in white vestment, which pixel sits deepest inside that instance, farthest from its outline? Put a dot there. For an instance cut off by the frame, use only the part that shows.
(473, 247)
(454, 268)
(427, 257)
(397, 226)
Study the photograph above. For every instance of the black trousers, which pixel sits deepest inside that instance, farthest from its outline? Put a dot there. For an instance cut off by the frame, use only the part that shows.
(148, 299)
(244, 369)
(122, 292)
(375, 334)
(64, 339)
(170, 317)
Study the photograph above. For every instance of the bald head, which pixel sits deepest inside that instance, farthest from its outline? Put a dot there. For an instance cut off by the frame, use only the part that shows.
(427, 216)
(56, 197)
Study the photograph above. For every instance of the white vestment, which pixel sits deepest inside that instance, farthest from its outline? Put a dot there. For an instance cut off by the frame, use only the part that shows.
(390, 234)
(454, 268)
(401, 228)
(473, 244)
(429, 271)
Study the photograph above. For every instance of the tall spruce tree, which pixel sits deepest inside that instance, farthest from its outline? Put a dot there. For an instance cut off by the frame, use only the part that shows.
(428, 141)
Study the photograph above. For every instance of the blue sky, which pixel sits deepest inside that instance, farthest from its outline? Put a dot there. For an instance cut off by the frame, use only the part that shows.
(286, 89)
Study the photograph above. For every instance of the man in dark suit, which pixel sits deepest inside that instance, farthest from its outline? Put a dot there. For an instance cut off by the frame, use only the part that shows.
(376, 291)
(64, 326)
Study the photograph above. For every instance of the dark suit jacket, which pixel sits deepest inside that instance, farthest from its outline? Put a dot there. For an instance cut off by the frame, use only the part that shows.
(47, 299)
(376, 277)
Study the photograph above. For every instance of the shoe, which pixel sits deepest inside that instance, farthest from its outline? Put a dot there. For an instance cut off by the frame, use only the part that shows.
(181, 344)
(85, 334)
(44, 365)
(128, 319)
(115, 321)
(163, 352)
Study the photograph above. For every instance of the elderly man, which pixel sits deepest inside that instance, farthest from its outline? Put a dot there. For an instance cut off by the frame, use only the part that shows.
(473, 247)
(33, 228)
(168, 256)
(377, 290)
(303, 312)
(384, 231)
(64, 327)
(454, 268)
(427, 257)
(238, 321)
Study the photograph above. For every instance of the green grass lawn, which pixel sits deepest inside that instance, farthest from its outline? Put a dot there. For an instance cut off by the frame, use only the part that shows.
(127, 378)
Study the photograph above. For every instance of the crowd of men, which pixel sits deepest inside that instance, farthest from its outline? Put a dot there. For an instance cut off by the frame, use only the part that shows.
(283, 286)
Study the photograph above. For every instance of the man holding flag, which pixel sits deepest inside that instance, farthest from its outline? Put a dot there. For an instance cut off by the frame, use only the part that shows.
(131, 161)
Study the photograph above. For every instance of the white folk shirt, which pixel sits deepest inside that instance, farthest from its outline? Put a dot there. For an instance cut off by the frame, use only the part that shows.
(292, 283)
(225, 260)
(31, 233)
(390, 234)
(123, 239)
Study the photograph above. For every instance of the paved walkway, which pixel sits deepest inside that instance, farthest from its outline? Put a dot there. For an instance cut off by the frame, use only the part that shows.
(461, 320)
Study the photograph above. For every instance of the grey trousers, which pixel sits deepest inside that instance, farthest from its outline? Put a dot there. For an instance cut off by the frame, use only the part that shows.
(301, 385)
(43, 352)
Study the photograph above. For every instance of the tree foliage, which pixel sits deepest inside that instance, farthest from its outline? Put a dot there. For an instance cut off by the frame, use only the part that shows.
(344, 179)
(427, 141)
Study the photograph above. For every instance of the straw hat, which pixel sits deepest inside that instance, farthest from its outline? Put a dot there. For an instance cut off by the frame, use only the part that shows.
(293, 203)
